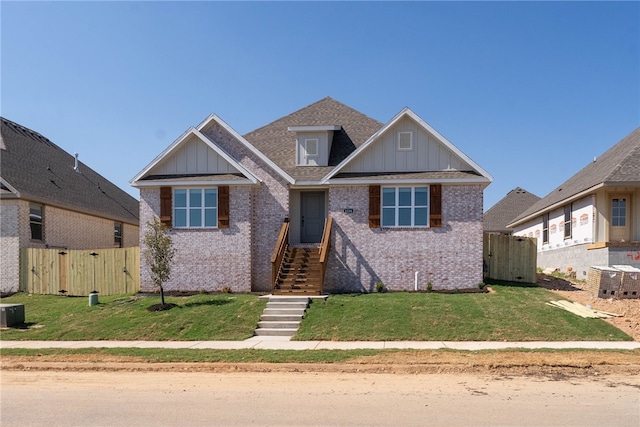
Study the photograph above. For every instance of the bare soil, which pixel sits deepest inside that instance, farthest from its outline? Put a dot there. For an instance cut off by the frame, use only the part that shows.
(555, 365)
(628, 309)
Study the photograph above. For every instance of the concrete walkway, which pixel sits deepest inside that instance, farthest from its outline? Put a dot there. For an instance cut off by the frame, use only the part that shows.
(278, 343)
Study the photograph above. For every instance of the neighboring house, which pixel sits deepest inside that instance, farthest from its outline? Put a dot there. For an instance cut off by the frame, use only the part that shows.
(50, 200)
(507, 209)
(403, 200)
(592, 219)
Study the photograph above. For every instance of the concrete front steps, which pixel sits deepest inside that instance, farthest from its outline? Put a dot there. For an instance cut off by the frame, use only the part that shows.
(282, 316)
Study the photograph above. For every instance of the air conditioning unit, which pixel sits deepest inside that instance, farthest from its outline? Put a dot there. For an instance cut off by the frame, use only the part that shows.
(11, 314)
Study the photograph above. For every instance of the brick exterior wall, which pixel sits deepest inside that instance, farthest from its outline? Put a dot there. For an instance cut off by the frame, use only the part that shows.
(62, 228)
(9, 246)
(270, 205)
(74, 230)
(449, 257)
(205, 260)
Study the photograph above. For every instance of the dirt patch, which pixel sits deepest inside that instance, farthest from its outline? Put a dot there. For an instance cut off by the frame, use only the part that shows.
(573, 290)
(547, 364)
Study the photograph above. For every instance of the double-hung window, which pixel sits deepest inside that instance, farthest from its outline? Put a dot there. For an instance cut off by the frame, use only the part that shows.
(36, 223)
(117, 234)
(405, 206)
(195, 208)
(567, 221)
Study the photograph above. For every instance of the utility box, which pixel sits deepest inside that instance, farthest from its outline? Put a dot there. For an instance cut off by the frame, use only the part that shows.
(11, 314)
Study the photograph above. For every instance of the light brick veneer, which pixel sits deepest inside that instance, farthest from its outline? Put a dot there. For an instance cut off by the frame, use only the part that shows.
(449, 257)
(62, 229)
(9, 246)
(270, 205)
(206, 259)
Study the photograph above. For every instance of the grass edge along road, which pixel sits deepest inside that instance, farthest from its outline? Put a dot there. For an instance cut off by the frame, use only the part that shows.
(510, 313)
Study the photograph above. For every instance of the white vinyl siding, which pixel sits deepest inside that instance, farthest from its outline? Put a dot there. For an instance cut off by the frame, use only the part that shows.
(405, 206)
(195, 208)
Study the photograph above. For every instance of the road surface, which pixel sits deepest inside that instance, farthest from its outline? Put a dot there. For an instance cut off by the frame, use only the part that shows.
(60, 398)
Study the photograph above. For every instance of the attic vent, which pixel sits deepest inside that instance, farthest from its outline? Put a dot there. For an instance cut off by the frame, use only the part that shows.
(405, 141)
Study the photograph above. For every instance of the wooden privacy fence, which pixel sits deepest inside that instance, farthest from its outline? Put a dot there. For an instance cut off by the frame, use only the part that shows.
(510, 258)
(79, 272)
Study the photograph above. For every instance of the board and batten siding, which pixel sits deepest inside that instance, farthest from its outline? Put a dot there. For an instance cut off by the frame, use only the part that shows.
(194, 156)
(324, 146)
(426, 154)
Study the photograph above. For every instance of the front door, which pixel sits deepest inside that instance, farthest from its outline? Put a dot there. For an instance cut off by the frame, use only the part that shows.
(312, 215)
(620, 227)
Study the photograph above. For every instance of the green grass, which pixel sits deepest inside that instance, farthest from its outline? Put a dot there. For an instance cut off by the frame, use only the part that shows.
(198, 317)
(148, 355)
(512, 313)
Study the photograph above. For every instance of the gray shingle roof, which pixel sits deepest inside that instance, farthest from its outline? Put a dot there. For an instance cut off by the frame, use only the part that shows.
(507, 209)
(279, 144)
(620, 165)
(41, 171)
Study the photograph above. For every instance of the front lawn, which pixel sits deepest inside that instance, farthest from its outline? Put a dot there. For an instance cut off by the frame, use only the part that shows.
(197, 317)
(510, 313)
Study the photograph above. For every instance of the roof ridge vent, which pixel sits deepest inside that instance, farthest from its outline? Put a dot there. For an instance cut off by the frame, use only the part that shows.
(76, 165)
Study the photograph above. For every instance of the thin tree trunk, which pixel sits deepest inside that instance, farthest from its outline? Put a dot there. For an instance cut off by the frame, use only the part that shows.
(162, 295)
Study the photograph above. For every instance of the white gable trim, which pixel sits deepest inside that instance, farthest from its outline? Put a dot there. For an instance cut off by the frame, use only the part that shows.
(247, 144)
(177, 182)
(15, 193)
(408, 113)
(135, 181)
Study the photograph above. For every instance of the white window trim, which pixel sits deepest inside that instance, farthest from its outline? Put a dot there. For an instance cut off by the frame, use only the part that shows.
(397, 207)
(306, 147)
(187, 208)
(400, 147)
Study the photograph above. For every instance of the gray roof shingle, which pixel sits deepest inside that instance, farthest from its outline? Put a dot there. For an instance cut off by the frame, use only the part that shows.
(41, 171)
(507, 209)
(279, 144)
(620, 165)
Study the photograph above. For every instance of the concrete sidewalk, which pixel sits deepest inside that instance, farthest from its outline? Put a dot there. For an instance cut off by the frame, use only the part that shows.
(278, 343)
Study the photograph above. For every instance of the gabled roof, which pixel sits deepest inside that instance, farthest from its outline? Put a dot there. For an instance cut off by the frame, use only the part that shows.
(406, 112)
(275, 145)
(620, 165)
(507, 209)
(278, 143)
(147, 178)
(34, 168)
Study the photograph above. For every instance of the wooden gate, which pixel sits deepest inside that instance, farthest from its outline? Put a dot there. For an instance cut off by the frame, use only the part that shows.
(510, 258)
(78, 272)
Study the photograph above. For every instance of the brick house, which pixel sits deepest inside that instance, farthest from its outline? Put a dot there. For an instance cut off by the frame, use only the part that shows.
(50, 200)
(405, 204)
(593, 218)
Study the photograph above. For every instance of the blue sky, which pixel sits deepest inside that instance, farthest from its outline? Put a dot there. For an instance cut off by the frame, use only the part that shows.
(531, 91)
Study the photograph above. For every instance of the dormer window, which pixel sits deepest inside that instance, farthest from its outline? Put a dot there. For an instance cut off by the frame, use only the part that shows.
(405, 141)
(313, 144)
(311, 147)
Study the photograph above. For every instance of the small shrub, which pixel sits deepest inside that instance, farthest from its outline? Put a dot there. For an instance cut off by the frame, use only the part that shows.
(379, 287)
(226, 290)
(481, 285)
(429, 286)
